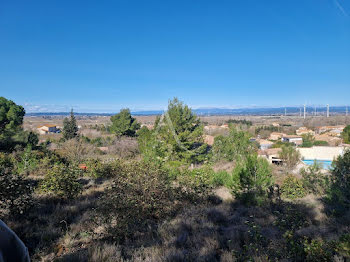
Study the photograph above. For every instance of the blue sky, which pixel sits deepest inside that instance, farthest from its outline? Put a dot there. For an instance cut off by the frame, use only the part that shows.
(100, 56)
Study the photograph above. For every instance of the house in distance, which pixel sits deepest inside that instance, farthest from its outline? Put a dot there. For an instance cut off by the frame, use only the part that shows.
(46, 129)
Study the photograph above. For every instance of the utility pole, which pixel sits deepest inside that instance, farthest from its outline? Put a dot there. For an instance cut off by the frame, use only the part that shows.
(304, 111)
(327, 110)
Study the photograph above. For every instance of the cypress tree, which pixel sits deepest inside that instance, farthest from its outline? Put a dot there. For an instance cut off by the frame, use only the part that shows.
(70, 128)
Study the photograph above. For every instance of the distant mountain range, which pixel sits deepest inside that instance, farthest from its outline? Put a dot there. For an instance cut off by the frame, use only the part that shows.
(220, 111)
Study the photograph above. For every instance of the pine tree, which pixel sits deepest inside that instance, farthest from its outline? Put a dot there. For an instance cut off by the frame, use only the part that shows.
(70, 128)
(123, 124)
(181, 134)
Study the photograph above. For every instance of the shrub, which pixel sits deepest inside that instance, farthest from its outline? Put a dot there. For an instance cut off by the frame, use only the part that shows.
(254, 177)
(290, 156)
(314, 181)
(27, 161)
(197, 181)
(139, 196)
(62, 181)
(95, 168)
(346, 134)
(308, 140)
(221, 178)
(342, 246)
(15, 192)
(236, 146)
(320, 143)
(339, 192)
(292, 188)
(317, 250)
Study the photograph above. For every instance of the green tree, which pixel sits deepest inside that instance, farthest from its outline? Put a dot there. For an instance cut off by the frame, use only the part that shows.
(234, 147)
(123, 124)
(31, 139)
(11, 119)
(290, 156)
(308, 140)
(70, 128)
(346, 134)
(180, 134)
(339, 193)
(255, 177)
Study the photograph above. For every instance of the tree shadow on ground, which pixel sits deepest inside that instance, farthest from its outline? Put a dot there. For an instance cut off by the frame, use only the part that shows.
(232, 231)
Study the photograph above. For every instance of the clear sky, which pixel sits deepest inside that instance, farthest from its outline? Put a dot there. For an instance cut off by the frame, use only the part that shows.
(100, 56)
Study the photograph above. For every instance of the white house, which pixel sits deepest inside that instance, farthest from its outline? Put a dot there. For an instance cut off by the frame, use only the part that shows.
(297, 140)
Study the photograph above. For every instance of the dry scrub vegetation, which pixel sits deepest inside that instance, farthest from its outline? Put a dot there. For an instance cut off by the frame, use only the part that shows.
(103, 196)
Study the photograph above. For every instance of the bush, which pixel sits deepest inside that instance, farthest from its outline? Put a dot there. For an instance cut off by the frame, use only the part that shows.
(62, 181)
(95, 168)
(254, 177)
(292, 188)
(27, 161)
(346, 134)
(339, 192)
(314, 181)
(317, 250)
(342, 246)
(320, 143)
(15, 192)
(290, 156)
(139, 196)
(197, 181)
(234, 147)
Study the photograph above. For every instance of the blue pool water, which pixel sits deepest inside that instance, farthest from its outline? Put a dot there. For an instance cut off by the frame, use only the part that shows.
(325, 163)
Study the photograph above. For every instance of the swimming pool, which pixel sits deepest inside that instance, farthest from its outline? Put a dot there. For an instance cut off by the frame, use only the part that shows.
(326, 164)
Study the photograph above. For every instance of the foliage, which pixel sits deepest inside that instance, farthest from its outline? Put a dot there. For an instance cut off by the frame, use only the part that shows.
(346, 134)
(76, 151)
(259, 129)
(342, 246)
(62, 181)
(27, 161)
(147, 143)
(95, 168)
(11, 119)
(280, 144)
(141, 194)
(339, 193)
(239, 122)
(320, 143)
(197, 181)
(290, 156)
(255, 177)
(222, 178)
(178, 136)
(123, 124)
(70, 128)
(15, 191)
(32, 139)
(314, 181)
(308, 140)
(292, 187)
(317, 250)
(234, 147)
